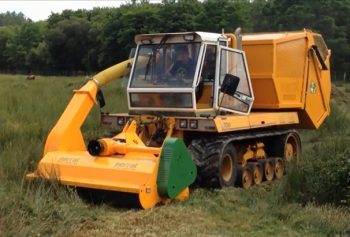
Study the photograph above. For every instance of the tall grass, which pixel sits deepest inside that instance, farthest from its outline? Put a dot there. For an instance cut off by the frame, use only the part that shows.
(323, 175)
(347, 88)
(29, 109)
(42, 209)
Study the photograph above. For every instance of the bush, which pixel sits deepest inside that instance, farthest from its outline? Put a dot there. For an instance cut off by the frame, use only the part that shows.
(322, 177)
(323, 174)
(337, 124)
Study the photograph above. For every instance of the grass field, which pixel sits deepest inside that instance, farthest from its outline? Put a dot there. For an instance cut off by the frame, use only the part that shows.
(311, 200)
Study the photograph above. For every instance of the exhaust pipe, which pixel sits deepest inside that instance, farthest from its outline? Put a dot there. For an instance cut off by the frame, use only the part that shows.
(238, 34)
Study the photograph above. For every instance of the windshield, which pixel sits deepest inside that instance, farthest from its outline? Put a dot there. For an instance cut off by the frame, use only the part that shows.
(165, 65)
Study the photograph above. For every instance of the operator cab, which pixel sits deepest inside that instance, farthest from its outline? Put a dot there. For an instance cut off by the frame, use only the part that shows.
(182, 74)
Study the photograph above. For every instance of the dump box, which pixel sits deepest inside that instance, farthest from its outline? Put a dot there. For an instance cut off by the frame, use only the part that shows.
(290, 71)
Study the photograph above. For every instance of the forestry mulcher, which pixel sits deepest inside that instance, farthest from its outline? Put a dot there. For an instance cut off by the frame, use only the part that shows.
(215, 110)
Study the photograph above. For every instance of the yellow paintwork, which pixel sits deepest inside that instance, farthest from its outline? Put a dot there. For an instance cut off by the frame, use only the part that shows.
(233, 40)
(317, 106)
(112, 73)
(206, 100)
(133, 170)
(133, 143)
(255, 120)
(286, 74)
(253, 152)
(282, 73)
(66, 135)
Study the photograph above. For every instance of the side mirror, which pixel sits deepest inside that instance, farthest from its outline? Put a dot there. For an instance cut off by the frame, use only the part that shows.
(230, 84)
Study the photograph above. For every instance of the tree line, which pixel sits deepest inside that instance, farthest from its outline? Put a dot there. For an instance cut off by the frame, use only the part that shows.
(86, 41)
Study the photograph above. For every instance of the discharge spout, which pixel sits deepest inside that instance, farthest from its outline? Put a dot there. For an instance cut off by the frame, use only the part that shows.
(95, 148)
(112, 73)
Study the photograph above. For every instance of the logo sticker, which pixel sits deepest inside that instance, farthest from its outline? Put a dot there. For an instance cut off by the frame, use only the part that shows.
(313, 87)
(125, 166)
(68, 160)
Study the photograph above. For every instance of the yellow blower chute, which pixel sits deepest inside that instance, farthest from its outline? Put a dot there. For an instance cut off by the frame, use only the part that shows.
(122, 163)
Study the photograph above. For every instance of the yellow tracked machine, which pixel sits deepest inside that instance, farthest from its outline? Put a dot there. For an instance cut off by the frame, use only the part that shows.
(225, 116)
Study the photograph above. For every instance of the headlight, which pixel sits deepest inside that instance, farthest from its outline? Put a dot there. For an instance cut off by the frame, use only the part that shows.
(121, 121)
(183, 123)
(188, 37)
(193, 124)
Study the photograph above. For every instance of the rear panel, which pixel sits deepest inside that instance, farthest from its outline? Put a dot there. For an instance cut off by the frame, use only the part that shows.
(290, 71)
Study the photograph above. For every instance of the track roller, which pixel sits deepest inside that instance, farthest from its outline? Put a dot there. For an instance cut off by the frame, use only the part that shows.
(269, 169)
(245, 177)
(287, 146)
(292, 147)
(228, 166)
(279, 167)
(258, 173)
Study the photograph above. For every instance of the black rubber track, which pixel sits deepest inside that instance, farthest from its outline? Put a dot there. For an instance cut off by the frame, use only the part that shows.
(207, 151)
(206, 154)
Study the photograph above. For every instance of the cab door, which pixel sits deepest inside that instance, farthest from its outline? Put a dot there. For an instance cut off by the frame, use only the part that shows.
(233, 61)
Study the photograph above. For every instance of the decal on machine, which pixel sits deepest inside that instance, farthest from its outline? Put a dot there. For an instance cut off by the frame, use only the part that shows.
(313, 87)
(226, 125)
(68, 160)
(125, 166)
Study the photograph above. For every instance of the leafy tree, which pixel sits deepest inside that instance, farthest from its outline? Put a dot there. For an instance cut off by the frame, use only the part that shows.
(15, 52)
(224, 14)
(12, 18)
(16, 42)
(68, 44)
(328, 17)
(123, 25)
(7, 35)
(90, 40)
(38, 59)
(180, 16)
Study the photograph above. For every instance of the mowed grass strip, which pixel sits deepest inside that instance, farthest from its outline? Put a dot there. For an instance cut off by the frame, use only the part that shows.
(28, 111)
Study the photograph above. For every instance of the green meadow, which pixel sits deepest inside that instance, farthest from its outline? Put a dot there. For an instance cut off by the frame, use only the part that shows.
(313, 199)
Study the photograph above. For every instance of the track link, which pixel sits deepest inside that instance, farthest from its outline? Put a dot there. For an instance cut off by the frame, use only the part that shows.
(206, 152)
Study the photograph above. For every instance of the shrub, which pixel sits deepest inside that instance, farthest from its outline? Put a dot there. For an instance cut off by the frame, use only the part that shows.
(323, 174)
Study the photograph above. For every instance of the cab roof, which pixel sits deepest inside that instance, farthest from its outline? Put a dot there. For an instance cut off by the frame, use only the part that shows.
(198, 36)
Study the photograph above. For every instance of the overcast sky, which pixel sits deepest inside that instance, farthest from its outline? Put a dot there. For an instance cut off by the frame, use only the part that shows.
(41, 10)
